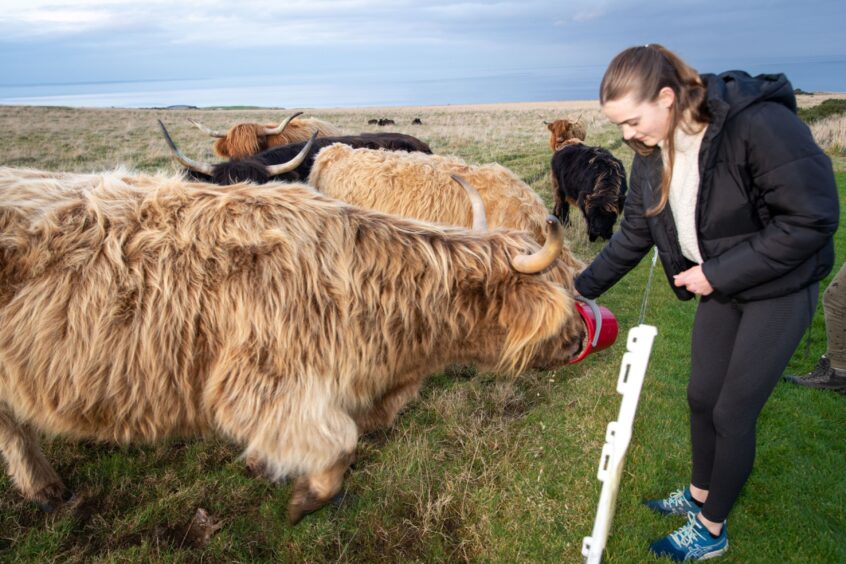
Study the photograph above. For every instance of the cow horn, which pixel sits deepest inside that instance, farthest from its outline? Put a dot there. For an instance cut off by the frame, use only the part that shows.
(531, 264)
(480, 221)
(274, 170)
(281, 127)
(196, 166)
(210, 132)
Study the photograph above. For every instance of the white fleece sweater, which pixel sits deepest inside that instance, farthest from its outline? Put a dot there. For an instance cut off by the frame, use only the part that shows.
(684, 188)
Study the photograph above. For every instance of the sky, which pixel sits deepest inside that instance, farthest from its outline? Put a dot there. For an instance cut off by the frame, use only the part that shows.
(101, 41)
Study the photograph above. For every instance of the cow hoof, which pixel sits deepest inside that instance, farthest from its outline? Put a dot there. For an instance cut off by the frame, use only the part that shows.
(303, 502)
(257, 468)
(52, 497)
(260, 471)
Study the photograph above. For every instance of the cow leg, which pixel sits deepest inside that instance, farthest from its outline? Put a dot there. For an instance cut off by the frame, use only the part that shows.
(385, 409)
(27, 467)
(299, 433)
(562, 211)
(316, 490)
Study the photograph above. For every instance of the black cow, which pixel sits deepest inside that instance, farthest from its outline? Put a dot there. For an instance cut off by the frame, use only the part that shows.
(592, 179)
(288, 163)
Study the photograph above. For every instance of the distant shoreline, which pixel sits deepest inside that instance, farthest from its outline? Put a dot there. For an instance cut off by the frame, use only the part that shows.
(491, 106)
(803, 100)
(564, 105)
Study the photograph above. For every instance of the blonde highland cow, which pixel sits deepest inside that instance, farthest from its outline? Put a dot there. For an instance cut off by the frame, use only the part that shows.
(421, 186)
(137, 307)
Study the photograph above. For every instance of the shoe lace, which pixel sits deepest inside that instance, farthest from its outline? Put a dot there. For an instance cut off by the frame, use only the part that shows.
(677, 499)
(822, 368)
(688, 534)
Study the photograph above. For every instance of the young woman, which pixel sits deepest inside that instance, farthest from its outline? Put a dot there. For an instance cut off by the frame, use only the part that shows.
(741, 203)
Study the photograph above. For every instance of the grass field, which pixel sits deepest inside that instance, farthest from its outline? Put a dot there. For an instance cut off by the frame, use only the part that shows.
(480, 467)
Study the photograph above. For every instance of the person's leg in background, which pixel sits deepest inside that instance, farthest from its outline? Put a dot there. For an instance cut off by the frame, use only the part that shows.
(830, 371)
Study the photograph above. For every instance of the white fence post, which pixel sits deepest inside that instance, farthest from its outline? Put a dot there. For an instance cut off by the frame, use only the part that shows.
(617, 437)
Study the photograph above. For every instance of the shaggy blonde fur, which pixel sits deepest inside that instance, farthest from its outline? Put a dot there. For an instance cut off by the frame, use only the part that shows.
(246, 139)
(419, 185)
(135, 307)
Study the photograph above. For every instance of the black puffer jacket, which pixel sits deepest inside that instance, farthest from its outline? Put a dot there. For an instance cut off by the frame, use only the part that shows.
(767, 205)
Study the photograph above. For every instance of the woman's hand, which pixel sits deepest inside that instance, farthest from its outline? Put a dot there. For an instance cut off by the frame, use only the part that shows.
(694, 280)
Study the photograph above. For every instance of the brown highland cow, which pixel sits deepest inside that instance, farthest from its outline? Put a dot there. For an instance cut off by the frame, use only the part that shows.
(247, 139)
(563, 132)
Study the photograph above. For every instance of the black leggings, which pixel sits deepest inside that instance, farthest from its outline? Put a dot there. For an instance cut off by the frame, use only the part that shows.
(739, 352)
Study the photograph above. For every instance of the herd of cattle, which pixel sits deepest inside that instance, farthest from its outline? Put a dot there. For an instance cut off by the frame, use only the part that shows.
(389, 121)
(291, 298)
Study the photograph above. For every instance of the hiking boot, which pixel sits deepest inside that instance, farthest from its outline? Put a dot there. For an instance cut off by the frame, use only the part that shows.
(823, 377)
(679, 502)
(692, 541)
(821, 371)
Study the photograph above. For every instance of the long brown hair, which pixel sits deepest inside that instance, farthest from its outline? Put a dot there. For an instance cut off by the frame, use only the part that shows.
(643, 71)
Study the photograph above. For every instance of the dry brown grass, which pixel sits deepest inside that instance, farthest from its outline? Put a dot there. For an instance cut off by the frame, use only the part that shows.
(93, 139)
(57, 138)
(810, 100)
(830, 133)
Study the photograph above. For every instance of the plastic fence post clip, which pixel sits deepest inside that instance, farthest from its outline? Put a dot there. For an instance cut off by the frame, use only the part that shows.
(617, 437)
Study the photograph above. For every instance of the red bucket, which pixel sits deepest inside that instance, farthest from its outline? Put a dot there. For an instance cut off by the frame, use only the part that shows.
(601, 326)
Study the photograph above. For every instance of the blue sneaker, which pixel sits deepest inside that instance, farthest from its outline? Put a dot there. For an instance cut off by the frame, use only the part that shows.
(691, 542)
(680, 502)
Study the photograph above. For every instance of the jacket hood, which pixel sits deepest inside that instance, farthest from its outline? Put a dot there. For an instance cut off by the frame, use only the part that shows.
(738, 90)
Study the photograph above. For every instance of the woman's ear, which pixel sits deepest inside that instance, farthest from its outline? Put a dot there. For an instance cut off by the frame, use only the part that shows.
(666, 97)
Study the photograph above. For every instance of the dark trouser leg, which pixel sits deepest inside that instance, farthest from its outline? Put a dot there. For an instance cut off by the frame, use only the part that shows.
(834, 307)
(764, 335)
(714, 329)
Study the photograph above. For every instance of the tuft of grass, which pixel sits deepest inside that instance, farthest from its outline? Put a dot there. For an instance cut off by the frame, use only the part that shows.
(827, 108)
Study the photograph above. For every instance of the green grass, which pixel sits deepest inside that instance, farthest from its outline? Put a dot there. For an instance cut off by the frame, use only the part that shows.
(480, 467)
(827, 108)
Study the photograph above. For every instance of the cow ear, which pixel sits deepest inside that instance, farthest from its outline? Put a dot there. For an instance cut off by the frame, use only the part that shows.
(551, 126)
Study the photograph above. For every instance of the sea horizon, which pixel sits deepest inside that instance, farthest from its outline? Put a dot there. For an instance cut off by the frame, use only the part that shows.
(362, 90)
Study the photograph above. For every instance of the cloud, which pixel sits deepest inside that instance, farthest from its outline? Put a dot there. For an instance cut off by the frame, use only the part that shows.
(477, 9)
(36, 19)
(98, 38)
(590, 14)
(292, 22)
(252, 23)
